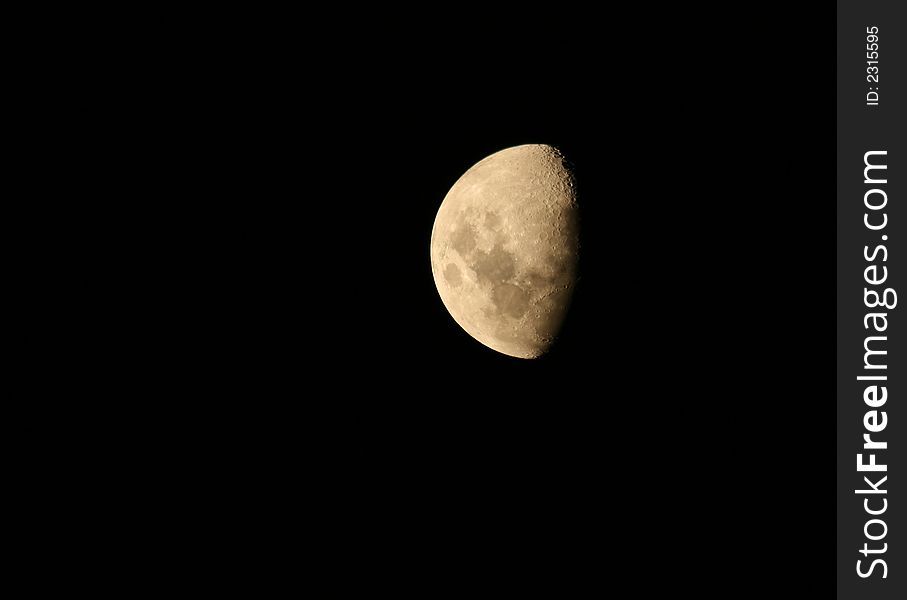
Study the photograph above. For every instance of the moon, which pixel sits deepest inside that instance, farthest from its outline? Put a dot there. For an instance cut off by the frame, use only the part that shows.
(505, 249)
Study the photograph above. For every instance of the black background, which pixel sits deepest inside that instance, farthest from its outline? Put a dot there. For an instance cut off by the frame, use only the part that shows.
(681, 430)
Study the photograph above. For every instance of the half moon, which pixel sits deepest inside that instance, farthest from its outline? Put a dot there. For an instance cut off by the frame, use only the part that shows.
(505, 248)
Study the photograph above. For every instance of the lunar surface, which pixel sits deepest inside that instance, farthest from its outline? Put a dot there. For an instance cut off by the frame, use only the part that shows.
(504, 249)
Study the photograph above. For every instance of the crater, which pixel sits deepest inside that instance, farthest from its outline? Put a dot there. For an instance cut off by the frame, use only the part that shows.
(547, 322)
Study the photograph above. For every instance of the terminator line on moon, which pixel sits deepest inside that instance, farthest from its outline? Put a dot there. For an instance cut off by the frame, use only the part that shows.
(505, 247)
